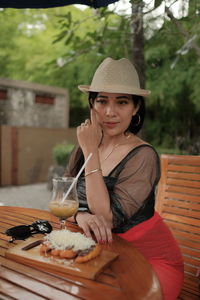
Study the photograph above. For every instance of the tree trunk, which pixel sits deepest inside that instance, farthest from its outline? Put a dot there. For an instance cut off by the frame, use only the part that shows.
(138, 39)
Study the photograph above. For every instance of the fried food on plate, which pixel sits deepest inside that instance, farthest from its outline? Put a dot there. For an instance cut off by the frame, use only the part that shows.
(67, 244)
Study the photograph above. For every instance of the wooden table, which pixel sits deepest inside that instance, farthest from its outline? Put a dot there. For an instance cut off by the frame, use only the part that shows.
(130, 276)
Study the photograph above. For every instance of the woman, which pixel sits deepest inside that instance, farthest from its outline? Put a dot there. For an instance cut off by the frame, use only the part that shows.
(116, 191)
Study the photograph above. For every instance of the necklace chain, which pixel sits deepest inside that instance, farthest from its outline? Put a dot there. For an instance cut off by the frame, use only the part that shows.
(114, 147)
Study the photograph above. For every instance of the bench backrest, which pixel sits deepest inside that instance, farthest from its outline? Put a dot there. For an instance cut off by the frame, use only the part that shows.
(178, 202)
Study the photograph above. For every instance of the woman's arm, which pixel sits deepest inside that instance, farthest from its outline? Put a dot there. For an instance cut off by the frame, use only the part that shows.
(89, 137)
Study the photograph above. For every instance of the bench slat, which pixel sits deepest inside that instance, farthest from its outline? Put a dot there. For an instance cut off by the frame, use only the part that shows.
(182, 159)
(186, 235)
(192, 198)
(189, 251)
(191, 176)
(185, 169)
(181, 211)
(182, 204)
(181, 219)
(190, 269)
(183, 190)
(185, 183)
(182, 227)
(187, 243)
(191, 261)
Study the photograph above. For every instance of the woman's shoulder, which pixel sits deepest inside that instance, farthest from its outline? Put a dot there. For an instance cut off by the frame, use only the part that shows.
(142, 149)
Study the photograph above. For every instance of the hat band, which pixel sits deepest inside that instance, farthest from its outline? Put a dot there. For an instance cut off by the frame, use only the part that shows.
(118, 89)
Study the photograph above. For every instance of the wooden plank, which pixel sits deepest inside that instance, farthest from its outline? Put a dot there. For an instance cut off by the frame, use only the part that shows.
(70, 284)
(27, 212)
(4, 237)
(186, 235)
(17, 292)
(182, 227)
(33, 257)
(188, 176)
(35, 286)
(187, 243)
(191, 281)
(190, 269)
(189, 251)
(185, 295)
(181, 219)
(162, 183)
(184, 169)
(181, 204)
(179, 211)
(183, 190)
(182, 159)
(5, 297)
(191, 288)
(109, 279)
(184, 183)
(11, 223)
(192, 261)
(178, 196)
(13, 216)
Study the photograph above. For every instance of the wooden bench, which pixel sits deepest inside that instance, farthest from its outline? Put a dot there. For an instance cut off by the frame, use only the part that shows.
(178, 202)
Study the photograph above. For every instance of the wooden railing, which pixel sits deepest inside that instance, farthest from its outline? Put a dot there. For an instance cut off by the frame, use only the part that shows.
(178, 202)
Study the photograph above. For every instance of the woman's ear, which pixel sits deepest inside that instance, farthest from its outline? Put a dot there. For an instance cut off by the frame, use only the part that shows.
(136, 109)
(90, 103)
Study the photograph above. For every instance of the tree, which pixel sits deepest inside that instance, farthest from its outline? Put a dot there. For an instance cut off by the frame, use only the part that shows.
(166, 54)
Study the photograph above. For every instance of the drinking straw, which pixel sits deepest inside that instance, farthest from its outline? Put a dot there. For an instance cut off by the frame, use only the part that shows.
(76, 178)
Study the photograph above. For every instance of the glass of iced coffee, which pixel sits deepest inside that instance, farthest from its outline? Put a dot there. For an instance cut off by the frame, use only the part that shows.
(64, 202)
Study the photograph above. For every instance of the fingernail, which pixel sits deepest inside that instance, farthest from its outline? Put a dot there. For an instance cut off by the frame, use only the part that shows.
(102, 242)
(110, 241)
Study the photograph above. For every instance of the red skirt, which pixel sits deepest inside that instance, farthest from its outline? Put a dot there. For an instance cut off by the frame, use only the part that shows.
(156, 242)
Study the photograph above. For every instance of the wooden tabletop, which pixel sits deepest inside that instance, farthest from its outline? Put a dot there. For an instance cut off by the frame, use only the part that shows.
(130, 276)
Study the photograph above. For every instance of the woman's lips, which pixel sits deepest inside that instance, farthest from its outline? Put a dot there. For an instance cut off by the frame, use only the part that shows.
(110, 124)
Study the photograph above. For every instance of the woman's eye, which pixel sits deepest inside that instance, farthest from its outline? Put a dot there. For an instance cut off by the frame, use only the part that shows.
(121, 102)
(102, 101)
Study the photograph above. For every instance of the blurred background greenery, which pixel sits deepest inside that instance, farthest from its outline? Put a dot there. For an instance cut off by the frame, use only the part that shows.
(63, 46)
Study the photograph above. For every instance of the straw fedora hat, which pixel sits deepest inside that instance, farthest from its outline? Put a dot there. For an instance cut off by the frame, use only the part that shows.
(115, 76)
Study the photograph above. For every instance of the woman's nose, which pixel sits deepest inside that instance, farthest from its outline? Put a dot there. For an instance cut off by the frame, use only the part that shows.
(110, 110)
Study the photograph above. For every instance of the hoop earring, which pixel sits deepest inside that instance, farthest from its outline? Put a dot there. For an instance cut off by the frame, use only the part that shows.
(139, 119)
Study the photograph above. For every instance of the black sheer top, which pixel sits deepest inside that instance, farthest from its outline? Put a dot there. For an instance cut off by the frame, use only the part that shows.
(131, 186)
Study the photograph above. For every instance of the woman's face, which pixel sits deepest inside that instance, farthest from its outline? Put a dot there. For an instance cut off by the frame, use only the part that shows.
(114, 112)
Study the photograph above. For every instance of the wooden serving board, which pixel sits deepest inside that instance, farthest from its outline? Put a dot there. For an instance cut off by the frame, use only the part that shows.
(32, 257)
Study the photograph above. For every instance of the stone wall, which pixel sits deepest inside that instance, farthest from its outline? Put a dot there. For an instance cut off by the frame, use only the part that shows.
(33, 105)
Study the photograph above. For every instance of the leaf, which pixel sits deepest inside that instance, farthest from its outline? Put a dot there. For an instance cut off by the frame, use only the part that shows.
(157, 3)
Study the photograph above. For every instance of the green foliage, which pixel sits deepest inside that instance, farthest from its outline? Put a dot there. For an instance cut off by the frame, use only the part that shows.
(63, 46)
(161, 150)
(61, 153)
(172, 76)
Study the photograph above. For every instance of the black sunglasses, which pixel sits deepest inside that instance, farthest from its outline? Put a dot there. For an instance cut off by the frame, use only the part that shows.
(22, 232)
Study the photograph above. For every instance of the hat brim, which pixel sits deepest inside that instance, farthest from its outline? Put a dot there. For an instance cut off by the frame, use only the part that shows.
(124, 90)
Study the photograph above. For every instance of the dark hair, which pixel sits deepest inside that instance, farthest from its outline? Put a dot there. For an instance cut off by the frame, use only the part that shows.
(137, 120)
(77, 158)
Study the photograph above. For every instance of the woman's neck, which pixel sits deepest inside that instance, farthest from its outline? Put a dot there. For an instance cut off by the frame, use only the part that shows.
(114, 140)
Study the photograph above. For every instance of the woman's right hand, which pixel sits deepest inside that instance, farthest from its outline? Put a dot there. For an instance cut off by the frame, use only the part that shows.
(89, 133)
(96, 224)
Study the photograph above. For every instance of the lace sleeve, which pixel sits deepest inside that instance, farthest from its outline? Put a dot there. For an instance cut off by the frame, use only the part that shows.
(134, 184)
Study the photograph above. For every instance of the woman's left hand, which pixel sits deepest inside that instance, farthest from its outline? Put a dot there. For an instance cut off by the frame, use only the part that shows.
(89, 133)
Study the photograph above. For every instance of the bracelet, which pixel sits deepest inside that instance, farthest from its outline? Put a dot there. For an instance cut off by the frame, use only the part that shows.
(82, 209)
(93, 171)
